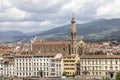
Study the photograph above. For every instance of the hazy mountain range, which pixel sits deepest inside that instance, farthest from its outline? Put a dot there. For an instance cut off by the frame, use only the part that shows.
(15, 36)
(98, 29)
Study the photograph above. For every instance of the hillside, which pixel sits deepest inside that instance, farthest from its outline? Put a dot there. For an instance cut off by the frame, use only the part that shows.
(98, 29)
(102, 29)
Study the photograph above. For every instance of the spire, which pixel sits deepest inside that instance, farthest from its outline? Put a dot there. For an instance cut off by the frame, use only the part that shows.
(73, 19)
(36, 38)
(73, 34)
(73, 37)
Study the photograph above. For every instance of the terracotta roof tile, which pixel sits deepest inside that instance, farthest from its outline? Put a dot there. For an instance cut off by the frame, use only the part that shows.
(52, 42)
(73, 55)
(37, 54)
(45, 54)
(23, 55)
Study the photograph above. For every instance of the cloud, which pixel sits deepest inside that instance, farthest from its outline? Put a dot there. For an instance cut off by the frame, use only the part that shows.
(28, 26)
(35, 15)
(12, 14)
(110, 10)
(8, 12)
(39, 6)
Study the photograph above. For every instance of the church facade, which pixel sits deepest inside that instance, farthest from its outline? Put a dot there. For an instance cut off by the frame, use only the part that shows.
(72, 46)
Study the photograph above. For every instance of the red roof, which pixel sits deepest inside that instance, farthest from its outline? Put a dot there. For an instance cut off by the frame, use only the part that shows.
(37, 54)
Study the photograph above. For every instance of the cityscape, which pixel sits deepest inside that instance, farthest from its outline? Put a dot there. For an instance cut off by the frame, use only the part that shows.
(87, 48)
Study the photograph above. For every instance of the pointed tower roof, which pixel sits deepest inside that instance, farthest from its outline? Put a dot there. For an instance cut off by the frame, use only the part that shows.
(73, 19)
(36, 39)
(73, 32)
(73, 25)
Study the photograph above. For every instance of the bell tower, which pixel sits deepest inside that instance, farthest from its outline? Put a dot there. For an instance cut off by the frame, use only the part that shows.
(73, 37)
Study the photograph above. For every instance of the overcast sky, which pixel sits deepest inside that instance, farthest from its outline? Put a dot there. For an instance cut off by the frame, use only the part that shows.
(37, 15)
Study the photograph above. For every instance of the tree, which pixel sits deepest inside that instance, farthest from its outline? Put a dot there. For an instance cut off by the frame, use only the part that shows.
(117, 53)
(99, 53)
(117, 77)
(64, 74)
(106, 78)
(73, 75)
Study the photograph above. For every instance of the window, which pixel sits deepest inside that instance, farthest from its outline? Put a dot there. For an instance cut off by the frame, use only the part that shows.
(40, 63)
(17, 73)
(116, 67)
(23, 68)
(96, 62)
(88, 62)
(106, 73)
(47, 73)
(92, 62)
(53, 70)
(105, 67)
(34, 73)
(116, 62)
(93, 73)
(110, 62)
(105, 62)
(100, 62)
(96, 73)
(20, 73)
(52, 73)
(29, 73)
(26, 68)
(96, 67)
(30, 68)
(99, 67)
(93, 68)
(20, 68)
(85, 68)
(60, 65)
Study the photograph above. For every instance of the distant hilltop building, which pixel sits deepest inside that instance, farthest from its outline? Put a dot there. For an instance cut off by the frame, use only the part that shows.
(72, 46)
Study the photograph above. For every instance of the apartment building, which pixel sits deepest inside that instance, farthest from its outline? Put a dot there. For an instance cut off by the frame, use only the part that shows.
(98, 66)
(23, 65)
(38, 65)
(56, 67)
(1, 66)
(8, 68)
(6, 65)
(71, 64)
